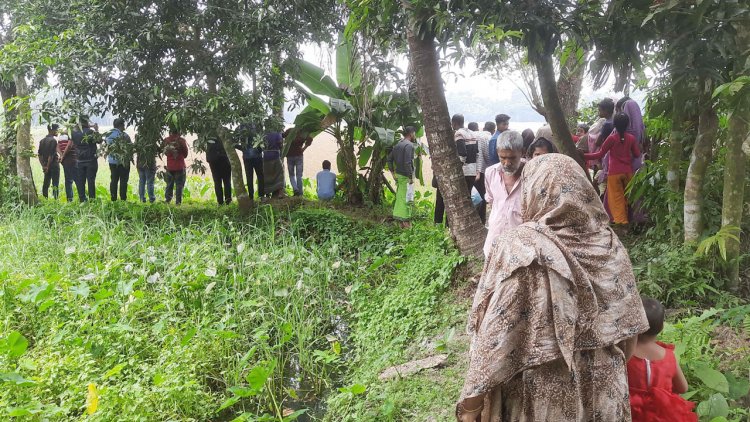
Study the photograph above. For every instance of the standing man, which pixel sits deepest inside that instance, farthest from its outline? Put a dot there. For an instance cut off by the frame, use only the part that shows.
(503, 184)
(48, 159)
(401, 163)
(85, 139)
(119, 143)
(176, 150)
(221, 170)
(467, 148)
(146, 165)
(66, 149)
(483, 161)
(502, 121)
(252, 157)
(294, 160)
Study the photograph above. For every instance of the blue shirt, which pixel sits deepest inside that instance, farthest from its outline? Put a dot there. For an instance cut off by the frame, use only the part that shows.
(326, 181)
(115, 135)
(492, 147)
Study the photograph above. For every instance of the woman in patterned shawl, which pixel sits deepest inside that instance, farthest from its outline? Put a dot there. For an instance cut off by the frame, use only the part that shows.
(554, 309)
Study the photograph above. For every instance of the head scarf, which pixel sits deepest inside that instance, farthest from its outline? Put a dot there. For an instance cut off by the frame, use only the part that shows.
(559, 283)
(636, 126)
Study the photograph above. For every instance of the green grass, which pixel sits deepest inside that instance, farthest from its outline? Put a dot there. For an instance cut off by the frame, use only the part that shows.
(195, 313)
(192, 313)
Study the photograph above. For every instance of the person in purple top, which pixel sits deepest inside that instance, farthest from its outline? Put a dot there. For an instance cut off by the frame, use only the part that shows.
(273, 168)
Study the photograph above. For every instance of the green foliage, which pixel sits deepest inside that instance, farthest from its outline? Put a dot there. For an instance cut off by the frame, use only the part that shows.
(719, 240)
(9, 186)
(649, 186)
(589, 114)
(391, 312)
(192, 314)
(677, 276)
(717, 391)
(362, 117)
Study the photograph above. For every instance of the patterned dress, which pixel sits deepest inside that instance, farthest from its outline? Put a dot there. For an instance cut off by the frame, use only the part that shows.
(556, 297)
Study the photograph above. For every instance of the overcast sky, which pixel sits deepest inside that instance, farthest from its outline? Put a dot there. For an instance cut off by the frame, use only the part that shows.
(494, 94)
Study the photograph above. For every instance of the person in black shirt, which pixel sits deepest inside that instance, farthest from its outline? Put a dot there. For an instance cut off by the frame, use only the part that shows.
(50, 161)
(85, 141)
(221, 170)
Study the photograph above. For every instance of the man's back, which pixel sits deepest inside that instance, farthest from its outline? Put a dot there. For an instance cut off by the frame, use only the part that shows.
(85, 142)
(47, 149)
(402, 157)
(326, 181)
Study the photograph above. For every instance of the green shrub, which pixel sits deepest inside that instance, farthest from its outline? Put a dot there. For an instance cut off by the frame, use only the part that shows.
(676, 276)
(717, 392)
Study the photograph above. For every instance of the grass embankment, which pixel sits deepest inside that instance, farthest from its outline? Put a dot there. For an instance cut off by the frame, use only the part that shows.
(152, 312)
(134, 312)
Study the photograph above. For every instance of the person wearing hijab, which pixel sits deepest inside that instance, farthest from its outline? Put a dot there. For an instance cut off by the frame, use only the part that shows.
(556, 310)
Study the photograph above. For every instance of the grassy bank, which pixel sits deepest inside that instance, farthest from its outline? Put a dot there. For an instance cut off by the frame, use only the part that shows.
(193, 314)
(150, 312)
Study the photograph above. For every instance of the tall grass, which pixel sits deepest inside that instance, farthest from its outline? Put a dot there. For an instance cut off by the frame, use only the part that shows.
(169, 316)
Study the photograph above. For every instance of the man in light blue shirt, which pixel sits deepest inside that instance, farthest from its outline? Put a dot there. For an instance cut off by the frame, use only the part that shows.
(326, 181)
(502, 121)
(119, 146)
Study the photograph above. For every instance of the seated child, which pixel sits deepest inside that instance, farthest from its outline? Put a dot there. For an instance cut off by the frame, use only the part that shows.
(655, 377)
(326, 181)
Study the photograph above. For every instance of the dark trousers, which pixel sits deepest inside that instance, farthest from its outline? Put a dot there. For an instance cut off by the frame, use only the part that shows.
(71, 175)
(52, 175)
(254, 165)
(173, 178)
(482, 209)
(87, 177)
(439, 217)
(440, 214)
(221, 171)
(119, 174)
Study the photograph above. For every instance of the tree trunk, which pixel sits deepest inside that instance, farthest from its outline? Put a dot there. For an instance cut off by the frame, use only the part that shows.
(674, 157)
(708, 127)
(278, 99)
(23, 144)
(675, 138)
(569, 88)
(465, 226)
(375, 180)
(244, 201)
(347, 162)
(7, 134)
(555, 114)
(734, 172)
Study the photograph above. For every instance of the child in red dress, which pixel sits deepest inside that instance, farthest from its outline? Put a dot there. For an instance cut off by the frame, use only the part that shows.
(655, 377)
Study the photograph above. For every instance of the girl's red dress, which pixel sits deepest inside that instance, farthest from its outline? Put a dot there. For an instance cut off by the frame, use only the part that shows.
(651, 396)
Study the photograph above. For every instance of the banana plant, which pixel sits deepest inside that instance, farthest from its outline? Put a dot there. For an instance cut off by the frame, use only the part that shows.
(362, 118)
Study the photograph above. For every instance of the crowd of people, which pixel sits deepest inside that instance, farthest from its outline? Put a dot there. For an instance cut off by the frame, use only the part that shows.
(558, 330)
(492, 160)
(77, 152)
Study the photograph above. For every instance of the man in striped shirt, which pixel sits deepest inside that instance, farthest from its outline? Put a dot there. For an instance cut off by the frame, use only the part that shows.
(483, 161)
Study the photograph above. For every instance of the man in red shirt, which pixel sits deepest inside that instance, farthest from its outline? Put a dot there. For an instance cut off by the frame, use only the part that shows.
(176, 150)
